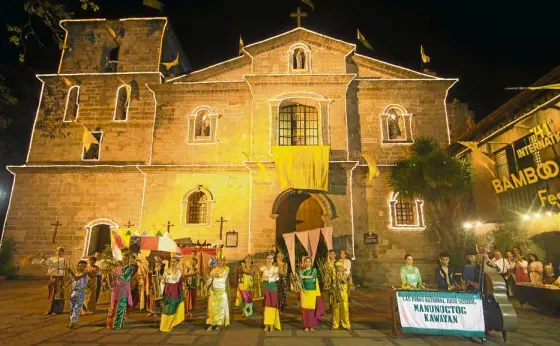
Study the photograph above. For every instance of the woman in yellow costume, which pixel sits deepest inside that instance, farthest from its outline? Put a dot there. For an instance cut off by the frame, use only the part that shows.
(218, 304)
(173, 300)
(312, 308)
(269, 281)
(245, 287)
(340, 310)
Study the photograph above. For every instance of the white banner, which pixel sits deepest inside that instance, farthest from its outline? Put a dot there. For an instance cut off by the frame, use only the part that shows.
(441, 313)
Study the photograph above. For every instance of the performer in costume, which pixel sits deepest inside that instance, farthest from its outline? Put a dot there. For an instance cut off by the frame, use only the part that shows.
(282, 284)
(341, 311)
(191, 284)
(444, 277)
(90, 300)
(173, 300)
(245, 286)
(218, 304)
(153, 304)
(121, 298)
(142, 278)
(56, 272)
(312, 309)
(79, 283)
(269, 281)
(410, 275)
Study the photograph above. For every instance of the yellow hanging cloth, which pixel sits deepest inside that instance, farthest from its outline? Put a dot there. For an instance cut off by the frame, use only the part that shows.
(303, 167)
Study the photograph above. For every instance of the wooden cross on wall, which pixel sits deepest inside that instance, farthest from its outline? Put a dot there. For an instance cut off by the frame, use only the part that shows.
(56, 225)
(221, 221)
(169, 225)
(298, 15)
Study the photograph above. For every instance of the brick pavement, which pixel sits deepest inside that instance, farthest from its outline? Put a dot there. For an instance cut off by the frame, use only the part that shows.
(22, 323)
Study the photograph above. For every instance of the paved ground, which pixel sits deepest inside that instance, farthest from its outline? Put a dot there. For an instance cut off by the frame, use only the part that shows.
(22, 323)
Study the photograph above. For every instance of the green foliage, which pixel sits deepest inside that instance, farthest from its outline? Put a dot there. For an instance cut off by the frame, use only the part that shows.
(443, 181)
(7, 253)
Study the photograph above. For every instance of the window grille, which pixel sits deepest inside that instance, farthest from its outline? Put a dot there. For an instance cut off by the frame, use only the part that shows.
(299, 125)
(197, 208)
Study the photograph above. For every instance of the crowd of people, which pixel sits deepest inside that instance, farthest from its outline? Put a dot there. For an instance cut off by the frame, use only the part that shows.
(515, 268)
(169, 289)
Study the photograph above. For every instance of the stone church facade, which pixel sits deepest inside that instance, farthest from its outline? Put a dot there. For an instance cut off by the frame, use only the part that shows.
(190, 149)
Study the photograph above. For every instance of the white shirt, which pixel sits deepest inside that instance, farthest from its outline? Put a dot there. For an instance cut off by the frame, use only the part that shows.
(57, 266)
(502, 265)
(270, 274)
(172, 278)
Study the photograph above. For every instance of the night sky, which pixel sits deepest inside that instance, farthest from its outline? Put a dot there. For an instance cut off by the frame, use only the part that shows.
(488, 44)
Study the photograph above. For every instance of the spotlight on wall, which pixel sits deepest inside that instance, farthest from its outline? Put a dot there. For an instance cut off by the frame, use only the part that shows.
(526, 217)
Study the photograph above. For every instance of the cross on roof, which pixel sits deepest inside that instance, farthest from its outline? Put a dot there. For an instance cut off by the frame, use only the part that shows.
(298, 15)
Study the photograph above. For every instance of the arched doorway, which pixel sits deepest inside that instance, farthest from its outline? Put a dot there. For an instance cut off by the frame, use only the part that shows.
(98, 236)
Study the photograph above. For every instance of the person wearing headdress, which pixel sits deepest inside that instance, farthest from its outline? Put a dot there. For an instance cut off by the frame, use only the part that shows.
(173, 299)
(269, 281)
(312, 308)
(282, 281)
(79, 282)
(218, 302)
(153, 303)
(341, 311)
(56, 271)
(191, 273)
(121, 298)
(245, 284)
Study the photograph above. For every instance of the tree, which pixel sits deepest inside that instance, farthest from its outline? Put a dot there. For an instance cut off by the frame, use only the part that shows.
(40, 16)
(444, 183)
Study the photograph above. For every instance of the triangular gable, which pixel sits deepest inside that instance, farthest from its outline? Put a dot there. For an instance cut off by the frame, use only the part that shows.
(381, 69)
(213, 71)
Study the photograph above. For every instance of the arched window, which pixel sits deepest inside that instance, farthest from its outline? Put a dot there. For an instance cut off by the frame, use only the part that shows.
(197, 205)
(298, 125)
(300, 58)
(72, 104)
(396, 125)
(202, 125)
(122, 103)
(406, 212)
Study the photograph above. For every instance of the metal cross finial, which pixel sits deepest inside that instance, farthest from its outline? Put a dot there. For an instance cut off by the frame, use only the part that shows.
(169, 225)
(56, 225)
(129, 224)
(298, 15)
(221, 221)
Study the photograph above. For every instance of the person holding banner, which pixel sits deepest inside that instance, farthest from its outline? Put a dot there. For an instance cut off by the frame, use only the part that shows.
(121, 298)
(57, 270)
(245, 284)
(218, 303)
(173, 300)
(312, 309)
(410, 275)
(341, 311)
(269, 281)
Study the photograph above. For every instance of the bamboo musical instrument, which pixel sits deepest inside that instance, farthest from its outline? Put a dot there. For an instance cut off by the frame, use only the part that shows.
(297, 282)
(325, 274)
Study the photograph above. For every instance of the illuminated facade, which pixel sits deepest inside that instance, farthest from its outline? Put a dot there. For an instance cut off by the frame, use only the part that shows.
(191, 149)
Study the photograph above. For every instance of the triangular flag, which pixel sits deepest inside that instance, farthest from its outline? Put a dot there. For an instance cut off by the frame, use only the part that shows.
(153, 4)
(549, 87)
(289, 239)
(67, 81)
(314, 236)
(372, 165)
(169, 65)
(327, 234)
(263, 171)
(309, 3)
(304, 239)
(116, 245)
(479, 158)
(363, 40)
(425, 58)
(88, 139)
(241, 45)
